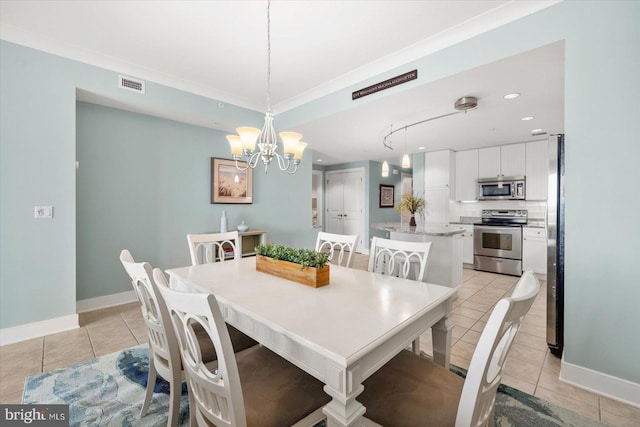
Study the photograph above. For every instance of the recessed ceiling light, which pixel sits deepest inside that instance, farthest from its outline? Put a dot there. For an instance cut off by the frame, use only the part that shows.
(420, 148)
(319, 160)
(527, 118)
(536, 132)
(511, 95)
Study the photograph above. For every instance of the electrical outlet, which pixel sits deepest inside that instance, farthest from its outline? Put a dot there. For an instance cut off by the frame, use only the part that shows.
(43, 212)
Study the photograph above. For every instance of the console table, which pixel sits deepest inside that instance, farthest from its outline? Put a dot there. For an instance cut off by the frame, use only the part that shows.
(250, 239)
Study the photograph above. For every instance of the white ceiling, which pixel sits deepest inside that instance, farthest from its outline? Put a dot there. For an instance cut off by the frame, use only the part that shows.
(218, 49)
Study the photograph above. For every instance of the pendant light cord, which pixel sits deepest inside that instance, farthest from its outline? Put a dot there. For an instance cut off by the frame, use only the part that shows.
(268, 56)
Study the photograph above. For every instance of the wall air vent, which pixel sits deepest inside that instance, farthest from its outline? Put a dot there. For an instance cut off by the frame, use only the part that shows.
(131, 84)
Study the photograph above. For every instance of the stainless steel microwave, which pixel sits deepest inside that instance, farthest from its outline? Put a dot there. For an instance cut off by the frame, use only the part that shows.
(502, 188)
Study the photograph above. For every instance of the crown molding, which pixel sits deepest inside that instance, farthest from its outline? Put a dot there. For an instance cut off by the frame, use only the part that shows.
(487, 21)
(466, 30)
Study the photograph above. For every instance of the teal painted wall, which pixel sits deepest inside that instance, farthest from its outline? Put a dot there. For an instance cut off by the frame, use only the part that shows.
(602, 40)
(37, 167)
(144, 183)
(37, 154)
(376, 213)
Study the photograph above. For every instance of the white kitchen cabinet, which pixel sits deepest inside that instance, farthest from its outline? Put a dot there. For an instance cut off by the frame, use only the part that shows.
(537, 170)
(437, 209)
(466, 175)
(439, 178)
(534, 249)
(505, 160)
(489, 162)
(439, 169)
(512, 159)
(467, 241)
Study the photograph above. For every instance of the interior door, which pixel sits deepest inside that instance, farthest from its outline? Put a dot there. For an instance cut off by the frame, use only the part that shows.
(351, 203)
(345, 203)
(334, 198)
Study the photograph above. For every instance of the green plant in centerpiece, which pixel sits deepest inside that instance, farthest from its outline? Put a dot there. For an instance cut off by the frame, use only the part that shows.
(304, 257)
(414, 204)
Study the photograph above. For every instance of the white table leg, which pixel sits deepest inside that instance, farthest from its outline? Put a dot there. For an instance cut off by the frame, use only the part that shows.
(343, 385)
(441, 335)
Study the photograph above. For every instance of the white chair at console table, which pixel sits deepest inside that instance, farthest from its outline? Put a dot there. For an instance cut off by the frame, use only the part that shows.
(341, 333)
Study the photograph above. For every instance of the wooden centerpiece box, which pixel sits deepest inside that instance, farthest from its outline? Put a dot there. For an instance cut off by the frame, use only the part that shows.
(314, 272)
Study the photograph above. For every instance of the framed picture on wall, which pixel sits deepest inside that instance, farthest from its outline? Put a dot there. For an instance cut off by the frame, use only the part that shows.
(386, 195)
(230, 184)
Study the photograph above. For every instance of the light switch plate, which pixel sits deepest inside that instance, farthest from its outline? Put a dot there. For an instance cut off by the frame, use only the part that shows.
(43, 212)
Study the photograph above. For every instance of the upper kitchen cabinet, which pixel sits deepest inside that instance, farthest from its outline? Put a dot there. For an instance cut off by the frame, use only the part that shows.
(506, 160)
(439, 169)
(537, 169)
(466, 175)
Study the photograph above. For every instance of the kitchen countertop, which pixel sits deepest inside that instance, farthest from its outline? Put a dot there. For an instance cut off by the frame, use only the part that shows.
(429, 230)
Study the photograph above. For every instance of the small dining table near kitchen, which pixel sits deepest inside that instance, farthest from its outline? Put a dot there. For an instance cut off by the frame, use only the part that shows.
(340, 333)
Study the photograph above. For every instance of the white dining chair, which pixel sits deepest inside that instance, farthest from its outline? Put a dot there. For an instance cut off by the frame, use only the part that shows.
(164, 355)
(255, 387)
(400, 259)
(411, 391)
(340, 243)
(210, 247)
(395, 257)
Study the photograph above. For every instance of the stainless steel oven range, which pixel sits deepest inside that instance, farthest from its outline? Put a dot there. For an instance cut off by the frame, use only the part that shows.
(497, 241)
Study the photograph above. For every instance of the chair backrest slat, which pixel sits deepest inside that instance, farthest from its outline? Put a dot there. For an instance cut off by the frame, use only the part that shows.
(210, 247)
(343, 245)
(477, 401)
(218, 395)
(395, 257)
(162, 338)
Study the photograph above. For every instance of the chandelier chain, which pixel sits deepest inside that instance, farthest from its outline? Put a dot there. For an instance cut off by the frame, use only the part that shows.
(269, 56)
(244, 144)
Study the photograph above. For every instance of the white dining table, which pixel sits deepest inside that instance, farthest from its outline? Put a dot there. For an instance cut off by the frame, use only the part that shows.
(340, 333)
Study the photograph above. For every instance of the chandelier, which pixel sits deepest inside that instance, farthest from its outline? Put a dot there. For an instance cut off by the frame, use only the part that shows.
(244, 143)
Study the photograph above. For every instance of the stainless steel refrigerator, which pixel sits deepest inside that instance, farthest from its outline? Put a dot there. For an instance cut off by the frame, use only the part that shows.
(555, 246)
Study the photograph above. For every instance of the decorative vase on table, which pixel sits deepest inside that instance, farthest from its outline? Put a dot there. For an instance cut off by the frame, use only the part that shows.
(412, 221)
(243, 227)
(223, 222)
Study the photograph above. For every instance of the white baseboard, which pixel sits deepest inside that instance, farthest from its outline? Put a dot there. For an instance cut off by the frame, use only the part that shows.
(105, 301)
(603, 384)
(38, 329)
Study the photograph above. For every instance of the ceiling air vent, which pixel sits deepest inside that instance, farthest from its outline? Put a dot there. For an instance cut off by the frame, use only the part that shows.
(131, 84)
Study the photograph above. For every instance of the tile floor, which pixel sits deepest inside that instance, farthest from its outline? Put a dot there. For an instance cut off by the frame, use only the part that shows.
(530, 367)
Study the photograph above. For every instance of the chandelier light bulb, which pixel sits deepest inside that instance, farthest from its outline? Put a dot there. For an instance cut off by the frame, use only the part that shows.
(297, 156)
(248, 135)
(235, 143)
(290, 142)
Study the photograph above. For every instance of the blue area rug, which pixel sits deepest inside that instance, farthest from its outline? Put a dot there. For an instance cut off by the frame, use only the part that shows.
(108, 391)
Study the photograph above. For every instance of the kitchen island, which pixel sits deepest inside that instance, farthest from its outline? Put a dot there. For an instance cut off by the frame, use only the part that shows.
(445, 256)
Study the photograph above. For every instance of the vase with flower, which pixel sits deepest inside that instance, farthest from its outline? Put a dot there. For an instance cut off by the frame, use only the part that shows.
(414, 204)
